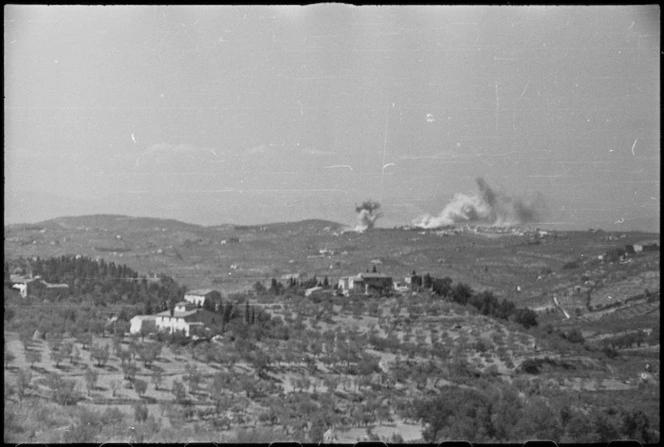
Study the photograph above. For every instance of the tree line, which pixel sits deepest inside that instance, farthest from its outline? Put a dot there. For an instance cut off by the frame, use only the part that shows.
(497, 412)
(293, 285)
(485, 302)
(104, 282)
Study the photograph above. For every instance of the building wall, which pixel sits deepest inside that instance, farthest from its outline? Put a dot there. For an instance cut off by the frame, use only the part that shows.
(344, 283)
(199, 299)
(137, 323)
(40, 288)
(362, 284)
(209, 319)
(196, 329)
(350, 283)
(34, 287)
(378, 287)
(195, 299)
(56, 292)
(378, 283)
(172, 324)
(180, 323)
(183, 307)
(356, 284)
(23, 290)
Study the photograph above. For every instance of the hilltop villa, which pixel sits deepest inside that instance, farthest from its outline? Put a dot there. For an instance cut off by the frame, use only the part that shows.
(186, 318)
(365, 283)
(198, 297)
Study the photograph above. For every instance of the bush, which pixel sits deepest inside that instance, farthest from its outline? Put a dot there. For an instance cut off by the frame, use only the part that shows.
(140, 412)
(256, 436)
(491, 371)
(610, 352)
(526, 317)
(179, 392)
(9, 357)
(575, 336)
(531, 366)
(140, 386)
(63, 390)
(481, 345)
(111, 416)
(100, 354)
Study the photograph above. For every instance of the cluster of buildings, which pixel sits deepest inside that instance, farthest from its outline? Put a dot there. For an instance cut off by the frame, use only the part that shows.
(37, 286)
(642, 246)
(366, 283)
(192, 319)
(376, 283)
(188, 316)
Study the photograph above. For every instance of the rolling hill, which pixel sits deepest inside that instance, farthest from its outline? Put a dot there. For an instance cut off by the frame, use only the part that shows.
(233, 257)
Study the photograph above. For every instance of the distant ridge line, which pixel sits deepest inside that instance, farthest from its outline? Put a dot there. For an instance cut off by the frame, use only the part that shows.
(82, 220)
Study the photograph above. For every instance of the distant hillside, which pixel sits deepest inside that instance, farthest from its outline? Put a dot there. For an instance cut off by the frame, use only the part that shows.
(119, 222)
(233, 257)
(248, 208)
(304, 225)
(23, 206)
(132, 223)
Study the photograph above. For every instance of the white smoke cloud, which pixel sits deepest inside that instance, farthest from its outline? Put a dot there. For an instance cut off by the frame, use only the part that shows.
(488, 207)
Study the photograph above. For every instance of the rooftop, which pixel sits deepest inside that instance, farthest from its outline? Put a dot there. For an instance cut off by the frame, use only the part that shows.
(186, 313)
(181, 314)
(648, 242)
(201, 292)
(19, 278)
(140, 317)
(184, 304)
(373, 276)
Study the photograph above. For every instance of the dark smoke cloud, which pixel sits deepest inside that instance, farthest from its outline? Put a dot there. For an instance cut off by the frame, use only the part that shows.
(367, 214)
(487, 193)
(368, 205)
(488, 207)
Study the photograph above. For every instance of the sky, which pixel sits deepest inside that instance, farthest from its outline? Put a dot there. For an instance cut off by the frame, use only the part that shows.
(251, 115)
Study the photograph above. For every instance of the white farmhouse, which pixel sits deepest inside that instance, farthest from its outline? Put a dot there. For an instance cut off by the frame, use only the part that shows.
(186, 318)
(198, 297)
(365, 283)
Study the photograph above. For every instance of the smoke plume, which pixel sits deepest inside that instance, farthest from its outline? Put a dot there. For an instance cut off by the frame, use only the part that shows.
(367, 214)
(489, 207)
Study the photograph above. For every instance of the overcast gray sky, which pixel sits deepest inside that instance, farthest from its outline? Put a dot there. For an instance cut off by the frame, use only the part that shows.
(235, 114)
